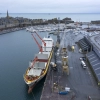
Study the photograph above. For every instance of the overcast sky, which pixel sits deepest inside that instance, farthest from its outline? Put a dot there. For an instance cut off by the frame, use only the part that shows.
(50, 6)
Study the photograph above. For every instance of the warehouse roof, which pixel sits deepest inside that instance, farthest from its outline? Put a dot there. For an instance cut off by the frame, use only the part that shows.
(95, 63)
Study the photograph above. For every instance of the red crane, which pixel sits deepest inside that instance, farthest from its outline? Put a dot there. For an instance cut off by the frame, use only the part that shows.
(36, 58)
(41, 50)
(40, 47)
(41, 39)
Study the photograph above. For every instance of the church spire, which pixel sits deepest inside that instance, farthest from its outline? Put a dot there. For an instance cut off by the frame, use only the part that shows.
(7, 14)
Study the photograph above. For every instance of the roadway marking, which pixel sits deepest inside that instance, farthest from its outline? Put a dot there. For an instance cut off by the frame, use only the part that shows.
(71, 67)
(96, 64)
(92, 58)
(97, 68)
(98, 74)
(94, 61)
(59, 61)
(90, 55)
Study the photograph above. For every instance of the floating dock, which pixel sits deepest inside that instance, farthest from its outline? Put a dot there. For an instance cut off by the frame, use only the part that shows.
(81, 81)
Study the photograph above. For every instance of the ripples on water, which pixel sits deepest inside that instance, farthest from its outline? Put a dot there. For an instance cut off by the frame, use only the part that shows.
(16, 50)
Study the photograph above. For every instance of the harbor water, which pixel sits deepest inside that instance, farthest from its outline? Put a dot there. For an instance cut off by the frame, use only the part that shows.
(16, 50)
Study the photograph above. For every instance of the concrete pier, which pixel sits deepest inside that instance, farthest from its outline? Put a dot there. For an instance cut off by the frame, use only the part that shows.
(81, 81)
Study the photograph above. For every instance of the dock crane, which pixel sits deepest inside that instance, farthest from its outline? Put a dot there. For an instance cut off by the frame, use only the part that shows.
(41, 50)
(36, 58)
(41, 40)
(40, 47)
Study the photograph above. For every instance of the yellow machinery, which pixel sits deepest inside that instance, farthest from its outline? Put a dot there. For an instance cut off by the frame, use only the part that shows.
(57, 44)
(73, 48)
(53, 66)
(65, 61)
(64, 51)
(65, 64)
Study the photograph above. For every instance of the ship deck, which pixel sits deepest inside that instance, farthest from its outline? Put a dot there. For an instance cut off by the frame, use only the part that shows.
(81, 81)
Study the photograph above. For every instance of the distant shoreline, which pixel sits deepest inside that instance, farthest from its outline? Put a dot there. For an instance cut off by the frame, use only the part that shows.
(83, 17)
(11, 30)
(49, 13)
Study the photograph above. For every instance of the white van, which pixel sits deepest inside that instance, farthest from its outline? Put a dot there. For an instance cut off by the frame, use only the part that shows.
(83, 64)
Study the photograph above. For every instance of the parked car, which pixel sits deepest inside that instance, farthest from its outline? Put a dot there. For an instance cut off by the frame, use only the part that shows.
(83, 58)
(83, 64)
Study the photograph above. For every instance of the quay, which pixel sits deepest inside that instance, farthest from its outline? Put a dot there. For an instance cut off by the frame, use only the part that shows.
(82, 83)
(11, 30)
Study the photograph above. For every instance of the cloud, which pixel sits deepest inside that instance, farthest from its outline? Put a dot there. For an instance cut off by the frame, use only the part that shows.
(50, 6)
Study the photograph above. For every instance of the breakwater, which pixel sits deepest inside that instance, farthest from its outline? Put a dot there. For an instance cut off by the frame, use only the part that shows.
(11, 30)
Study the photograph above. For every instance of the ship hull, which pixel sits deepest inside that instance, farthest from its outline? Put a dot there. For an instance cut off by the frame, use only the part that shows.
(33, 83)
(41, 64)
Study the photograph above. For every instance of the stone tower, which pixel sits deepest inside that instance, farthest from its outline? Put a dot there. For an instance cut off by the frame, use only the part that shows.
(7, 14)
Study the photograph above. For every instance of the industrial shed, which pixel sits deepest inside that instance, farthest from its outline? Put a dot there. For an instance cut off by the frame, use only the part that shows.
(85, 45)
(94, 60)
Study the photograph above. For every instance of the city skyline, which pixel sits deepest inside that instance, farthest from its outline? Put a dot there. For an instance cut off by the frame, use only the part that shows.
(50, 6)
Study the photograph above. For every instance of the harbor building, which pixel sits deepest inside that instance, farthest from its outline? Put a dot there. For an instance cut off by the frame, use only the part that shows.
(91, 46)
